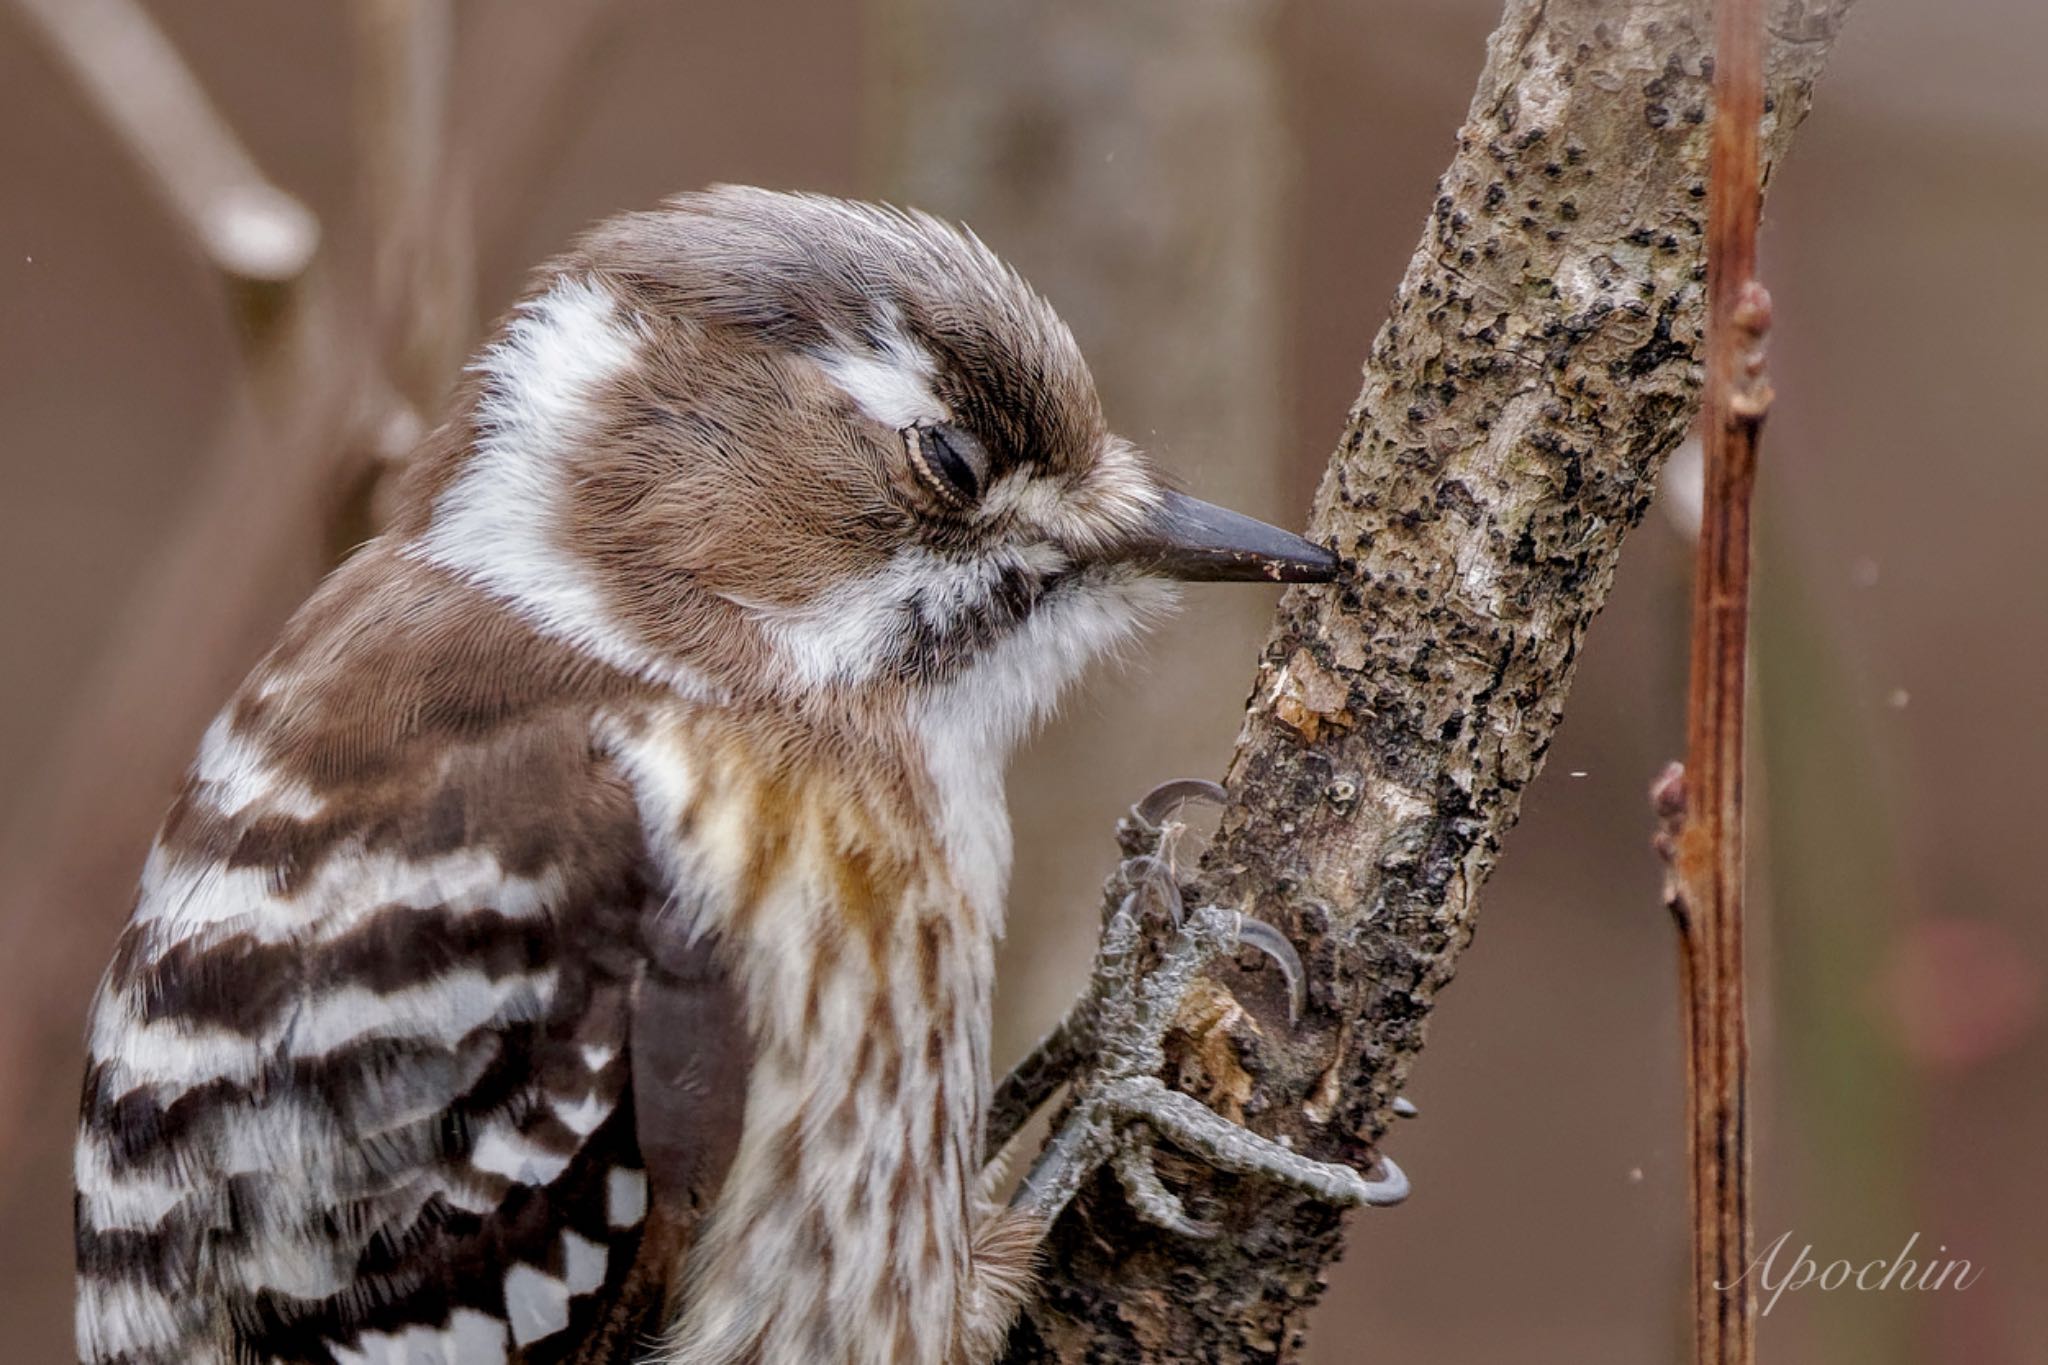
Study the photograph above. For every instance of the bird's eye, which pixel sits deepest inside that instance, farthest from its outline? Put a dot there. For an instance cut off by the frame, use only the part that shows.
(948, 461)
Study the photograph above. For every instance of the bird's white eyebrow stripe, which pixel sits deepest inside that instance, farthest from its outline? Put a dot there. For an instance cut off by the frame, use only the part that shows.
(888, 380)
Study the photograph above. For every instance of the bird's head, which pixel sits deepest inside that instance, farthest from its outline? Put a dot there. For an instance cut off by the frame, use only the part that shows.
(756, 442)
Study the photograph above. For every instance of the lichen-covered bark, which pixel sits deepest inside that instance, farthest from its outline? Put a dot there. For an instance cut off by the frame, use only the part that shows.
(1541, 360)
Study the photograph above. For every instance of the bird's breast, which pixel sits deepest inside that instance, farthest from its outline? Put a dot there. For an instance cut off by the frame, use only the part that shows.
(866, 967)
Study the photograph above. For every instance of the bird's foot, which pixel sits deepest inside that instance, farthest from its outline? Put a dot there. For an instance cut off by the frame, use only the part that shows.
(1115, 1040)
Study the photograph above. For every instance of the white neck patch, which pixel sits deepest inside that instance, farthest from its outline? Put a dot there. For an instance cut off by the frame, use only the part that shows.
(970, 725)
(497, 525)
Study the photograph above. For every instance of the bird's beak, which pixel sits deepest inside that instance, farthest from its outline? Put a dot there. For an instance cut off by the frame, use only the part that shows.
(1199, 542)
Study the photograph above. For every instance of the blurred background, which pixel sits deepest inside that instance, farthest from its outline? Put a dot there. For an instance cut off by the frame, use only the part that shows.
(1220, 195)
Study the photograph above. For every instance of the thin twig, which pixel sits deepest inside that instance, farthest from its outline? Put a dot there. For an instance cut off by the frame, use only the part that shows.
(249, 229)
(1700, 806)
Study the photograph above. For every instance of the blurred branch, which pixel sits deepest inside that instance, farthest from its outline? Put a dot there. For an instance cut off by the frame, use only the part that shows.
(249, 543)
(333, 390)
(1700, 805)
(422, 251)
(531, 68)
(422, 243)
(1540, 363)
(274, 503)
(249, 229)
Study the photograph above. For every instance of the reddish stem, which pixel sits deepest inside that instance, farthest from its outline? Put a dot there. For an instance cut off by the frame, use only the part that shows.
(1702, 810)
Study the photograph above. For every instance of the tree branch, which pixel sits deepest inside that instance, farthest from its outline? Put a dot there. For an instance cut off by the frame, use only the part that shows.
(423, 263)
(247, 228)
(1540, 362)
(1700, 805)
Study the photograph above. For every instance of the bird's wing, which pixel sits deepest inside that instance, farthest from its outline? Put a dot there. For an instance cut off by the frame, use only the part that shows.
(419, 1078)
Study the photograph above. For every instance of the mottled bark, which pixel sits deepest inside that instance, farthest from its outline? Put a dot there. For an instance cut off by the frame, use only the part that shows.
(1541, 360)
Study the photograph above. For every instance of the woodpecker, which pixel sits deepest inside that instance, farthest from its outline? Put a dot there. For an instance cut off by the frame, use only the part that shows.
(575, 940)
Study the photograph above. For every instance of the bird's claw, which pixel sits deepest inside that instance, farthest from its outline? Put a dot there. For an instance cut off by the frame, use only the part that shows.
(1131, 1159)
(1151, 875)
(1163, 800)
(1256, 933)
(1121, 1107)
(1119, 1123)
(1232, 1147)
